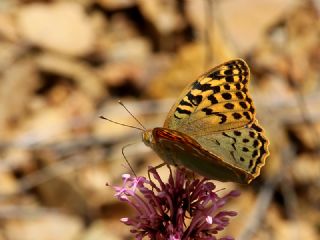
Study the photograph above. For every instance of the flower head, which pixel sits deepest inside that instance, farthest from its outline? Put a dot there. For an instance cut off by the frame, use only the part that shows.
(181, 209)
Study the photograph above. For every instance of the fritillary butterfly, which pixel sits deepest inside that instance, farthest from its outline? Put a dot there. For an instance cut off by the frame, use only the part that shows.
(212, 129)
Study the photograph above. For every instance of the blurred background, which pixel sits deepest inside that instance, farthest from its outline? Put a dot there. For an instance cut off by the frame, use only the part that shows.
(64, 63)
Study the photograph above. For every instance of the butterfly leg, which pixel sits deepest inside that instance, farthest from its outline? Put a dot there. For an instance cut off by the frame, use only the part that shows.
(154, 168)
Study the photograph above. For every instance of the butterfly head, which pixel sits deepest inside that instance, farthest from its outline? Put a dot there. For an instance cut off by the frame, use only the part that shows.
(147, 138)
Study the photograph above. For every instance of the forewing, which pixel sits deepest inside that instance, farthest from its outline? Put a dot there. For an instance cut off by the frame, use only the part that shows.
(216, 101)
(245, 148)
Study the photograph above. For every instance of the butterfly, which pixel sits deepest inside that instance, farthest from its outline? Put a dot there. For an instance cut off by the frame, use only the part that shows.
(212, 129)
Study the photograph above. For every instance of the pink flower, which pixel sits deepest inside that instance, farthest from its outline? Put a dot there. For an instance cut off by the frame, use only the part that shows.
(162, 208)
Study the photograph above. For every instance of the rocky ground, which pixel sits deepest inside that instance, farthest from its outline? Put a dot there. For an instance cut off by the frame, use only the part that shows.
(65, 63)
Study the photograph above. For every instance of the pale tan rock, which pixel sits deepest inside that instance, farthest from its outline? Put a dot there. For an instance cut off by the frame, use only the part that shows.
(116, 4)
(62, 27)
(163, 14)
(9, 53)
(306, 169)
(115, 74)
(49, 226)
(92, 180)
(122, 42)
(135, 49)
(107, 230)
(8, 29)
(285, 229)
(9, 184)
(82, 74)
(246, 21)
(65, 120)
(17, 158)
(243, 21)
(308, 136)
(20, 80)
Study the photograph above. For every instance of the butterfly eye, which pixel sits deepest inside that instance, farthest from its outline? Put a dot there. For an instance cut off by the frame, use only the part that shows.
(147, 138)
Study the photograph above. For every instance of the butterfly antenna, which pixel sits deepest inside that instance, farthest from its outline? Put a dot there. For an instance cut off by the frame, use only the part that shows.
(102, 117)
(131, 114)
(125, 158)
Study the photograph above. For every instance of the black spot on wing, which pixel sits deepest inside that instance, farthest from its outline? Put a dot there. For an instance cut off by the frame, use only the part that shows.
(229, 106)
(243, 105)
(216, 89)
(202, 87)
(185, 103)
(194, 99)
(236, 116)
(241, 66)
(238, 65)
(226, 96)
(255, 143)
(252, 134)
(247, 115)
(230, 79)
(223, 118)
(215, 75)
(212, 99)
(208, 111)
(227, 87)
(245, 81)
(256, 127)
(255, 153)
(237, 133)
(245, 140)
(239, 95)
(245, 149)
(183, 111)
(228, 72)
